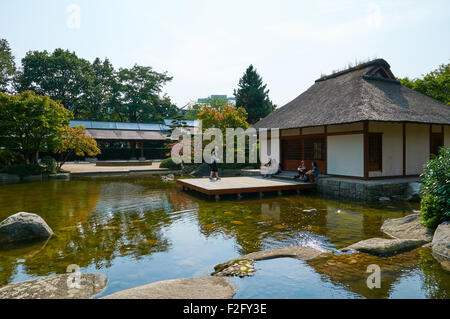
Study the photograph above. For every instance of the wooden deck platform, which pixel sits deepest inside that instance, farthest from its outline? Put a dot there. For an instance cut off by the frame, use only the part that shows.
(239, 185)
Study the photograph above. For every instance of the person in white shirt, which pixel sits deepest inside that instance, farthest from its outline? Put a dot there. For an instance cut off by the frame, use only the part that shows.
(213, 165)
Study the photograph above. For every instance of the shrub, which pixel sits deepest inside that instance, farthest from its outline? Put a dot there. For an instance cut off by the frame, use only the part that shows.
(168, 163)
(49, 164)
(25, 169)
(8, 158)
(435, 189)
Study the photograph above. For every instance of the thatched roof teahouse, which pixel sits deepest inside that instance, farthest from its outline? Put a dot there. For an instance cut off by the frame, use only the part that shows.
(360, 122)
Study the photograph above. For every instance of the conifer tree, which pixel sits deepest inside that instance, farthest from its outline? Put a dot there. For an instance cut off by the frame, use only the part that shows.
(253, 96)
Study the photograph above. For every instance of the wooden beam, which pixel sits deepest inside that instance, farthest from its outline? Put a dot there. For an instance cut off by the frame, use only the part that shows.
(325, 148)
(366, 148)
(404, 147)
(430, 140)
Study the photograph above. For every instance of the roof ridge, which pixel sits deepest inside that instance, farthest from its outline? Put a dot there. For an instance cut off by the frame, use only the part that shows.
(376, 62)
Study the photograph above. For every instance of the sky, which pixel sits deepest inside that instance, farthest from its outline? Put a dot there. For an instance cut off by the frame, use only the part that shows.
(206, 45)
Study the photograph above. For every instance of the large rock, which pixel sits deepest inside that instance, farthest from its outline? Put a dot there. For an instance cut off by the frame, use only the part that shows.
(184, 288)
(441, 240)
(444, 261)
(407, 227)
(23, 227)
(56, 287)
(384, 247)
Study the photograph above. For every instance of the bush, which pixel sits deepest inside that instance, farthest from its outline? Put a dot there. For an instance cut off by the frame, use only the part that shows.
(49, 164)
(168, 163)
(8, 158)
(435, 189)
(25, 169)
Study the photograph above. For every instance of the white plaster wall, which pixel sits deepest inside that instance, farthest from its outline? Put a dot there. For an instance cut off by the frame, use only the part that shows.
(447, 135)
(345, 127)
(345, 155)
(392, 147)
(417, 147)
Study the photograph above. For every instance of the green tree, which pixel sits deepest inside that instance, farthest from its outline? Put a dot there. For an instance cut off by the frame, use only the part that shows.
(435, 84)
(31, 123)
(217, 102)
(227, 117)
(75, 141)
(253, 96)
(96, 91)
(103, 95)
(62, 76)
(7, 66)
(192, 112)
(140, 88)
(435, 188)
(177, 121)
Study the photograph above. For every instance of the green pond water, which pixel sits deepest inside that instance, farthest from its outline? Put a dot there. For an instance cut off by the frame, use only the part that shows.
(137, 230)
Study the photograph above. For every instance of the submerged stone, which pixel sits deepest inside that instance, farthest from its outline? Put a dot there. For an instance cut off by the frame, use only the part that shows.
(384, 247)
(407, 227)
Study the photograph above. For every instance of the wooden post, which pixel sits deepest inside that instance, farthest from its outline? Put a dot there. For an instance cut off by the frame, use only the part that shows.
(366, 149)
(404, 148)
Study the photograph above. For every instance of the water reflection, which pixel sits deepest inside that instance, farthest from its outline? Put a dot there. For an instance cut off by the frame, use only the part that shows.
(112, 225)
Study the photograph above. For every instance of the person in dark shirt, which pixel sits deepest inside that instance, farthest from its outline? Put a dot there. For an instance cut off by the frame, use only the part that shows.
(213, 165)
(312, 174)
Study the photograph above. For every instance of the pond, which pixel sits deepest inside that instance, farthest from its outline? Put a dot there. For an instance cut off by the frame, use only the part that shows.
(137, 230)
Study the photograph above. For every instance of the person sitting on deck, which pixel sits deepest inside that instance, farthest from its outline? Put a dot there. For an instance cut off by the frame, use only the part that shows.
(312, 174)
(301, 169)
(270, 168)
(280, 169)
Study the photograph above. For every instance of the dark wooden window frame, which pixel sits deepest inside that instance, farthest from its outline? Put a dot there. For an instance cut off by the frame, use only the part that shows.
(311, 148)
(433, 143)
(378, 165)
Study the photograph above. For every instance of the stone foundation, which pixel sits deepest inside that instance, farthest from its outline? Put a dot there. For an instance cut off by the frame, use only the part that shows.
(361, 190)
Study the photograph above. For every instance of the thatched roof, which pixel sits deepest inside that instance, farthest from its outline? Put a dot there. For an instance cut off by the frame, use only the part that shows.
(365, 92)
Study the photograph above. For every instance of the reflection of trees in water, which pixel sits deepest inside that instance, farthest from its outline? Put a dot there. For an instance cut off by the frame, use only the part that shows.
(257, 224)
(93, 223)
(58, 202)
(98, 243)
(436, 280)
(349, 271)
(278, 222)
